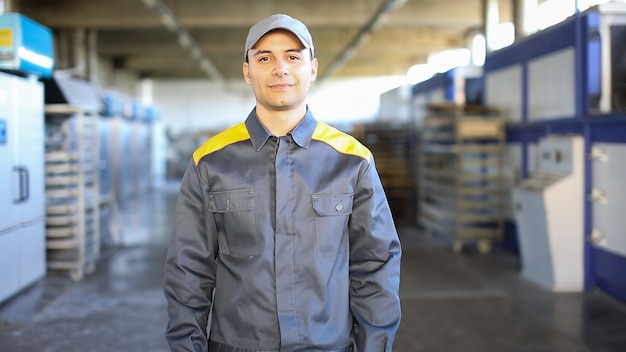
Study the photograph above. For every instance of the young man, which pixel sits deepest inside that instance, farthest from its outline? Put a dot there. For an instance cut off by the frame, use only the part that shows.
(283, 239)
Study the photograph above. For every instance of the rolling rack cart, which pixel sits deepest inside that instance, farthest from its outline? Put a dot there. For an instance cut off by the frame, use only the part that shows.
(72, 190)
(461, 183)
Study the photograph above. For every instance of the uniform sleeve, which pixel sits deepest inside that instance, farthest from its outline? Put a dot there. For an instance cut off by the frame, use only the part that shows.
(189, 276)
(374, 266)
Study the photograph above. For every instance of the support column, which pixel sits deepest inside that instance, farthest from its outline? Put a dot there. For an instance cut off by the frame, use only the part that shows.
(491, 19)
(92, 55)
(6, 6)
(523, 13)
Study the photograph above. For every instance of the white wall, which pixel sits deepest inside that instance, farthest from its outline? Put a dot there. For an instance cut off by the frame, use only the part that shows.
(123, 81)
(199, 105)
(395, 105)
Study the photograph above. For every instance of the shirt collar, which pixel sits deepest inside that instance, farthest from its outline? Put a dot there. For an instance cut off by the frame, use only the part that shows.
(301, 134)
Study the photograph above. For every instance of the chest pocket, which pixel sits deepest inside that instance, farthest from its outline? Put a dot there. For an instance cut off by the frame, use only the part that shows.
(234, 217)
(333, 211)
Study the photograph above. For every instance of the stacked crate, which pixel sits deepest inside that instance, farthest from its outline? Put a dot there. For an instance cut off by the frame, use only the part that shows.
(393, 147)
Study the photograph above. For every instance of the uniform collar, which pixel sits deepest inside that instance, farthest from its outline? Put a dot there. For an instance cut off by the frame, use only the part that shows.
(301, 134)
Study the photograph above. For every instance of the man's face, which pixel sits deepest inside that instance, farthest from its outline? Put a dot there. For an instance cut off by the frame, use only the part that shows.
(280, 71)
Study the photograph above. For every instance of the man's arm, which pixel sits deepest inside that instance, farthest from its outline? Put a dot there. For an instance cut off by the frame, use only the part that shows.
(190, 267)
(374, 266)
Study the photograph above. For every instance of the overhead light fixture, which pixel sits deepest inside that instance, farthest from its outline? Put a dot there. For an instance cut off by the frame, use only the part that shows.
(184, 38)
(149, 3)
(196, 53)
(374, 23)
(169, 22)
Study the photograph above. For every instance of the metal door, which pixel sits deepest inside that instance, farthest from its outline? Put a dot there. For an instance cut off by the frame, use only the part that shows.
(9, 187)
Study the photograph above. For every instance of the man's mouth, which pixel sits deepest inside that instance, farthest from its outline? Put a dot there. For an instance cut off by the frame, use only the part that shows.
(281, 86)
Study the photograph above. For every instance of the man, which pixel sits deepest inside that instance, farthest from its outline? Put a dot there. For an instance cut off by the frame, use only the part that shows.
(283, 237)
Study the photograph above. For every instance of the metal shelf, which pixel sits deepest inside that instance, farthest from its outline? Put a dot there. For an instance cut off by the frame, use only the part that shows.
(461, 181)
(72, 189)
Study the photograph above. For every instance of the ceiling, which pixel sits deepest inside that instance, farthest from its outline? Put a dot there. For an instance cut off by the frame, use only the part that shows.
(353, 38)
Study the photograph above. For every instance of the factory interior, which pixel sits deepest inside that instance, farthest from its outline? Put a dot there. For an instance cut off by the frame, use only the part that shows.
(498, 128)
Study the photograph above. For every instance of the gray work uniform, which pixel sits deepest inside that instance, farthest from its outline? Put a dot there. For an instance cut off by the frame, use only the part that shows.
(288, 241)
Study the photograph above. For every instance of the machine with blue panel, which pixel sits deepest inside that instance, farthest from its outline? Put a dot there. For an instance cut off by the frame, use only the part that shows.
(25, 54)
(571, 79)
(26, 47)
(460, 85)
(572, 70)
(115, 171)
(116, 104)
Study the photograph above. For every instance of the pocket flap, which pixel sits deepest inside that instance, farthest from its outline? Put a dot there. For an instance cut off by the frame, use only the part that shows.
(332, 204)
(232, 200)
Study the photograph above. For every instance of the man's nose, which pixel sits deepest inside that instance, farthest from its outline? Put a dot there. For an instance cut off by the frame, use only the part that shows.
(280, 68)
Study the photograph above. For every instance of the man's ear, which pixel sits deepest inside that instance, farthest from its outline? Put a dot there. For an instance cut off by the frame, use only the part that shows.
(246, 72)
(313, 69)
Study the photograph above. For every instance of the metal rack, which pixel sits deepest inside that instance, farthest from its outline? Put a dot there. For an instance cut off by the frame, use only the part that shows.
(72, 190)
(461, 182)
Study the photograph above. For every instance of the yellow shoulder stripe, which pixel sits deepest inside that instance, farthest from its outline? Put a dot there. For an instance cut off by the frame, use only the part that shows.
(232, 135)
(340, 141)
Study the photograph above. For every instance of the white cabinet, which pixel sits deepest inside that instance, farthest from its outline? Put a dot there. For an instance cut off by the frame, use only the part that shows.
(22, 231)
(9, 259)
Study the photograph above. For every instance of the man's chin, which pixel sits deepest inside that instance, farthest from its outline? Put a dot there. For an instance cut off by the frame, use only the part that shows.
(283, 106)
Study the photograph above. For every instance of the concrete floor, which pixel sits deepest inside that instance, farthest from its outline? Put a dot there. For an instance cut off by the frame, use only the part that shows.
(451, 302)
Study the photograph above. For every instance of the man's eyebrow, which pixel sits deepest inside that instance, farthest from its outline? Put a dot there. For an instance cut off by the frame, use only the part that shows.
(261, 51)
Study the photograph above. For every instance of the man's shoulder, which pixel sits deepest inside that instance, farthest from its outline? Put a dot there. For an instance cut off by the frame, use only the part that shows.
(234, 134)
(340, 141)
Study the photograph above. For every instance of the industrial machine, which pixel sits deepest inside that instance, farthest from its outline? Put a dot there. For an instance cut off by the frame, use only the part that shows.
(550, 216)
(26, 47)
(25, 54)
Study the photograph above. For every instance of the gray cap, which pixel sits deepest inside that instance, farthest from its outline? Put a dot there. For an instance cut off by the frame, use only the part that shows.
(278, 21)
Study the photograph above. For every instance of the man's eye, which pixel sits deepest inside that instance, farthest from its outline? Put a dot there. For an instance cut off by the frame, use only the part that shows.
(294, 58)
(264, 59)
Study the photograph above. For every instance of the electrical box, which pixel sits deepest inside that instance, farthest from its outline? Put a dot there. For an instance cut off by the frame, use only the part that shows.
(549, 214)
(25, 45)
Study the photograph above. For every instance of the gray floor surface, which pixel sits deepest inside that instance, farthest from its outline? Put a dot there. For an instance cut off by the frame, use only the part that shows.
(466, 302)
